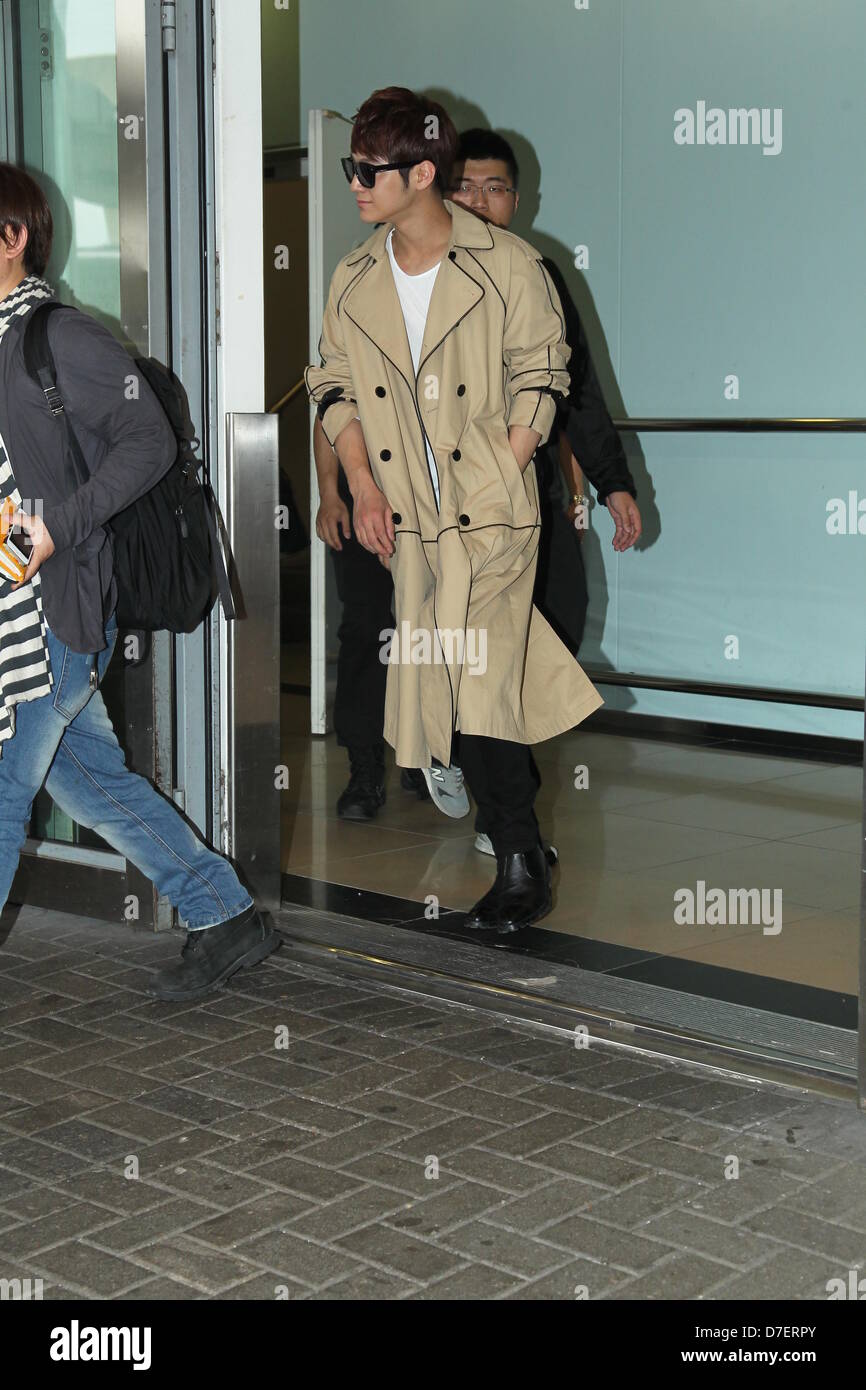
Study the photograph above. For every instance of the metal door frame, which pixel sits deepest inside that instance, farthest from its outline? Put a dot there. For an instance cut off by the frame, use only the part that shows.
(246, 787)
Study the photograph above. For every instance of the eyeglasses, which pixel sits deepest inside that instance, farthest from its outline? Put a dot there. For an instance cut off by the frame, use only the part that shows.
(490, 190)
(366, 172)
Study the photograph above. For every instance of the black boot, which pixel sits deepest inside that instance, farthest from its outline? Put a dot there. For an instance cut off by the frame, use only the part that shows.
(412, 780)
(366, 790)
(213, 954)
(521, 894)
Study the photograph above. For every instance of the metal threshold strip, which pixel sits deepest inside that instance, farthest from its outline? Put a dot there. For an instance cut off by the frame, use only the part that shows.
(648, 1019)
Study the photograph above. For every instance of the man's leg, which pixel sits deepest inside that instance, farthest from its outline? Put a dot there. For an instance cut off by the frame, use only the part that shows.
(90, 781)
(499, 774)
(26, 758)
(365, 590)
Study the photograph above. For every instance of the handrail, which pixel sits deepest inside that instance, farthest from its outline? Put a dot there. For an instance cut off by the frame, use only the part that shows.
(830, 424)
(600, 675)
(284, 400)
(838, 424)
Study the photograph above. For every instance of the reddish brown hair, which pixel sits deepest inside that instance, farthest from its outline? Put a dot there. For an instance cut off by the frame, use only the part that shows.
(23, 204)
(400, 126)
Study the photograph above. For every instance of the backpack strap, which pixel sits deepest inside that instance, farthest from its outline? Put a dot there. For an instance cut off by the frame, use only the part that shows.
(223, 582)
(41, 367)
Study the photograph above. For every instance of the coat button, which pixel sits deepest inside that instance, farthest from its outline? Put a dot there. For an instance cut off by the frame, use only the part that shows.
(457, 456)
(384, 455)
(452, 255)
(464, 519)
(461, 389)
(380, 391)
(396, 518)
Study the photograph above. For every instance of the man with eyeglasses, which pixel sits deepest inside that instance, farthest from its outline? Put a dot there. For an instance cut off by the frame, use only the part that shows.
(443, 349)
(583, 439)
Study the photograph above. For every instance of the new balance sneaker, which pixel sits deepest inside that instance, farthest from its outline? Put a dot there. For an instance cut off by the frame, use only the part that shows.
(445, 785)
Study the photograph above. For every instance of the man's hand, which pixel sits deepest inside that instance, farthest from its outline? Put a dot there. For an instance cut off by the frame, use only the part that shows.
(626, 517)
(373, 524)
(43, 545)
(331, 516)
(524, 443)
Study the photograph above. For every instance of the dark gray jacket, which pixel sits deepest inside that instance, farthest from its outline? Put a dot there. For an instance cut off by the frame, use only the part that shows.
(585, 418)
(127, 444)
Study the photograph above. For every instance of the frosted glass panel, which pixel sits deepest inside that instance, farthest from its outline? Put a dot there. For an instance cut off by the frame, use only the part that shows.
(69, 83)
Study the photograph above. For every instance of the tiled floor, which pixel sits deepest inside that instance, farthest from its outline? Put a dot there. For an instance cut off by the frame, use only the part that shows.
(391, 1150)
(656, 817)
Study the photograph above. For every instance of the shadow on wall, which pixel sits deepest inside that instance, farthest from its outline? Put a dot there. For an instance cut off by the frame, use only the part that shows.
(61, 249)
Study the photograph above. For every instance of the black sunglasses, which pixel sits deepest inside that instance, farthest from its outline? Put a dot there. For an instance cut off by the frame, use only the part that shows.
(366, 171)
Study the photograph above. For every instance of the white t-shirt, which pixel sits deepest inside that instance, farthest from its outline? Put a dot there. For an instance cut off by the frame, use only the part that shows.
(414, 293)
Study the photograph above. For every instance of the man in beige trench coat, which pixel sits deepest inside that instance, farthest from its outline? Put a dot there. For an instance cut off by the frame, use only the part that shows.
(442, 349)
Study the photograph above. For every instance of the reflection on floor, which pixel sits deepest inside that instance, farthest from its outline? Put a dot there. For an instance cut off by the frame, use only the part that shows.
(657, 818)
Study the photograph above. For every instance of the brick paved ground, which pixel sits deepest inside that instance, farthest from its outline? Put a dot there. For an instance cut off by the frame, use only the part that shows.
(312, 1167)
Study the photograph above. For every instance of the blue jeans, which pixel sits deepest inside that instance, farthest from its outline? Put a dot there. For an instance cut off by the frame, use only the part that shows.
(66, 741)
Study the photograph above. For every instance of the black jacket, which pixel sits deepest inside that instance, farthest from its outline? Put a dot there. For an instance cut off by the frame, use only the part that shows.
(585, 418)
(127, 444)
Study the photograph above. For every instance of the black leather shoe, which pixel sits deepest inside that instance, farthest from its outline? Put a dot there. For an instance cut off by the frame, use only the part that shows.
(213, 954)
(365, 793)
(521, 894)
(412, 780)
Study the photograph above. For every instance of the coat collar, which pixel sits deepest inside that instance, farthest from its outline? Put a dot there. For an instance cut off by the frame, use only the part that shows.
(373, 304)
(466, 230)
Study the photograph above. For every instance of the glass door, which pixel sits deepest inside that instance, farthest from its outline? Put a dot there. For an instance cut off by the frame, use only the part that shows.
(68, 135)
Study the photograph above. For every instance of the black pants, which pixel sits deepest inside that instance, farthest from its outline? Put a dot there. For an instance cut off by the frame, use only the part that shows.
(366, 590)
(503, 780)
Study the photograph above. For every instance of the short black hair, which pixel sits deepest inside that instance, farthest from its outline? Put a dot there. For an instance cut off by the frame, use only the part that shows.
(398, 125)
(486, 144)
(24, 205)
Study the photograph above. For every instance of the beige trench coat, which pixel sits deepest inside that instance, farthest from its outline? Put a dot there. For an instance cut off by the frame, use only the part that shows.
(470, 651)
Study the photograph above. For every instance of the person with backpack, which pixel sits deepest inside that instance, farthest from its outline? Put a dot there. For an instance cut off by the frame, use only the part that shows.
(58, 622)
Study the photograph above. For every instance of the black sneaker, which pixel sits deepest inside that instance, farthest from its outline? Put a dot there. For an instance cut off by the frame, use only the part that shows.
(365, 793)
(212, 955)
(412, 780)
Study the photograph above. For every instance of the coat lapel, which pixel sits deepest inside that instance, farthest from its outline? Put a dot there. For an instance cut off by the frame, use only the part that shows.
(374, 305)
(454, 296)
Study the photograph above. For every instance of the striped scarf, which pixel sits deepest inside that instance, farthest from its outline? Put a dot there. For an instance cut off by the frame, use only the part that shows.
(25, 669)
